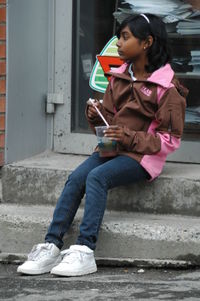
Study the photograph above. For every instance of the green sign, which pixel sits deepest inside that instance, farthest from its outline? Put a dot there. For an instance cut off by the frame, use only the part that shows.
(98, 81)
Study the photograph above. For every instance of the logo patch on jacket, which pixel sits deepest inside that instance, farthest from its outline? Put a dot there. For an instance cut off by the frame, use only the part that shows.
(146, 91)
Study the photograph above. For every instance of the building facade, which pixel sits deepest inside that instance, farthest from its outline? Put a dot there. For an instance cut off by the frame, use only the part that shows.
(51, 47)
(2, 78)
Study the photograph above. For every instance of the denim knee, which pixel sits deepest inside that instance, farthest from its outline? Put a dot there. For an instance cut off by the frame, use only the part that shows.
(96, 176)
(75, 178)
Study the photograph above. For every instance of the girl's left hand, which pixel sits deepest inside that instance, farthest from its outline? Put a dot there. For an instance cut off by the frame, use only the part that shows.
(115, 132)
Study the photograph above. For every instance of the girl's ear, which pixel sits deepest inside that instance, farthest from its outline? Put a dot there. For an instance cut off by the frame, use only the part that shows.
(148, 42)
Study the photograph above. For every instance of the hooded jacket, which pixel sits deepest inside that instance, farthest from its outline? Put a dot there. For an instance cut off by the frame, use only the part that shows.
(150, 109)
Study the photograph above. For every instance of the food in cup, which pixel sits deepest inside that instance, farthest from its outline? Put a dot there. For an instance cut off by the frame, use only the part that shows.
(107, 147)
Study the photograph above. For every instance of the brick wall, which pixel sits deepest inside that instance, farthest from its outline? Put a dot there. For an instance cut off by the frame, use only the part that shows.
(2, 77)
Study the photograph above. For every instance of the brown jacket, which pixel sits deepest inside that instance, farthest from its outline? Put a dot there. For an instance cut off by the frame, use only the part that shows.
(151, 110)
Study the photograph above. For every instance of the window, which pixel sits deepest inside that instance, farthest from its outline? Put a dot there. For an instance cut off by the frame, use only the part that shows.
(92, 28)
(94, 25)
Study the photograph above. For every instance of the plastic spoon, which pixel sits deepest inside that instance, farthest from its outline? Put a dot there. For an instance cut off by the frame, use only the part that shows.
(104, 120)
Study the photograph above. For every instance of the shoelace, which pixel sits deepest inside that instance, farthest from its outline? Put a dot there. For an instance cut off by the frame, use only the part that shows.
(71, 255)
(38, 251)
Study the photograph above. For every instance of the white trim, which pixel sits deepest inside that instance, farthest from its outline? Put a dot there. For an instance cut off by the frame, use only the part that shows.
(64, 140)
(188, 152)
(51, 68)
(7, 80)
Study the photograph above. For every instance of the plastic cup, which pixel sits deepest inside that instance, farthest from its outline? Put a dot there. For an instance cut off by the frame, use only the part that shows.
(107, 147)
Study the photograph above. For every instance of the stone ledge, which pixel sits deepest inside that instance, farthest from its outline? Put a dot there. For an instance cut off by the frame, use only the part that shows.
(122, 236)
(40, 180)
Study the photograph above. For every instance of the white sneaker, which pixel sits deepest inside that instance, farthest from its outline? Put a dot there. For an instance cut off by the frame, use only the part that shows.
(42, 258)
(78, 260)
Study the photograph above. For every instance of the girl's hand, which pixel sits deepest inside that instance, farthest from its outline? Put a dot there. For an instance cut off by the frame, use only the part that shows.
(92, 113)
(115, 132)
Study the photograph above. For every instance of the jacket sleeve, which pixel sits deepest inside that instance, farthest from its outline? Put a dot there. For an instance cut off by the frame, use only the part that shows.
(169, 122)
(106, 109)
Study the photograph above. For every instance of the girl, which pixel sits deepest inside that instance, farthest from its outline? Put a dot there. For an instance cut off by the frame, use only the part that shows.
(146, 105)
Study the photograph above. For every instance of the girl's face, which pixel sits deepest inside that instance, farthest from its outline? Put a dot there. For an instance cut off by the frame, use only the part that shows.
(130, 47)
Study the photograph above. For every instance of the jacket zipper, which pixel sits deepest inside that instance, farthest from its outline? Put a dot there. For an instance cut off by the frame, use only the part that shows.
(170, 125)
(132, 94)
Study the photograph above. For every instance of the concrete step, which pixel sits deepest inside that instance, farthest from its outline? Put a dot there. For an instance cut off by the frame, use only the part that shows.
(40, 180)
(123, 236)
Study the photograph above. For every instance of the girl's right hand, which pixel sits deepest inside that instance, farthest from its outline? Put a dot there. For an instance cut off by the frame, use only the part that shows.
(92, 113)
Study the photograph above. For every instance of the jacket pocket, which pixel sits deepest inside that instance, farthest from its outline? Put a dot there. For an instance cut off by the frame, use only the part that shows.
(175, 124)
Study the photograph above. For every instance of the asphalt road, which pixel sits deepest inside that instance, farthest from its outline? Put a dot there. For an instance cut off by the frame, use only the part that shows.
(106, 284)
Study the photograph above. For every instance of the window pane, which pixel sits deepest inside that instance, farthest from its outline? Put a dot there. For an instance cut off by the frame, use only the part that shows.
(92, 28)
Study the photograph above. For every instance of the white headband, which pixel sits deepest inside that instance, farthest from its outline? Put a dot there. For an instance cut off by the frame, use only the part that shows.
(143, 15)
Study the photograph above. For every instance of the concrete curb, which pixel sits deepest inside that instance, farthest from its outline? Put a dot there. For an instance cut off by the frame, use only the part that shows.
(40, 180)
(15, 258)
(123, 236)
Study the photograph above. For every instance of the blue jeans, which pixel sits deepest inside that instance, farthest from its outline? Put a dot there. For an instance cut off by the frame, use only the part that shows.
(94, 177)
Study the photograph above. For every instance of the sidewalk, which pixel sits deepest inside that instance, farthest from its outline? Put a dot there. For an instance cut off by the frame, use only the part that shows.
(107, 284)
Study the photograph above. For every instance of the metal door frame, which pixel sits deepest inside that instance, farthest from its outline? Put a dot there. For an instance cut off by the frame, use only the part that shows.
(64, 141)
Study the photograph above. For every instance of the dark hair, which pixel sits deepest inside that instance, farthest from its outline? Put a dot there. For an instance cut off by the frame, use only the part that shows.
(159, 53)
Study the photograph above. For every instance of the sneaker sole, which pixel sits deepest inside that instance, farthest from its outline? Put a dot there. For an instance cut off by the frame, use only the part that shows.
(71, 273)
(44, 270)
